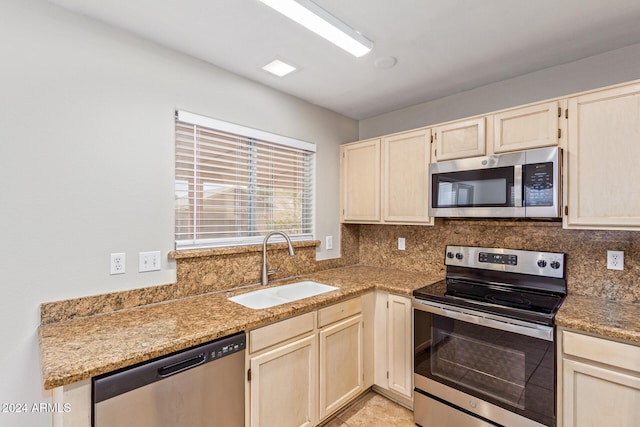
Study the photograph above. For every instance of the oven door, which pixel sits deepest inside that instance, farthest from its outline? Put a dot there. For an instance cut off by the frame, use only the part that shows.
(496, 370)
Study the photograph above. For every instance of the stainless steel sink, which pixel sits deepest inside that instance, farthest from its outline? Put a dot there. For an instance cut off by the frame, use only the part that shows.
(270, 297)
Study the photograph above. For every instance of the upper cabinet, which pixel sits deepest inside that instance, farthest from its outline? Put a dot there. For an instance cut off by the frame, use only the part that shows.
(405, 191)
(603, 148)
(386, 180)
(533, 126)
(455, 140)
(523, 128)
(360, 181)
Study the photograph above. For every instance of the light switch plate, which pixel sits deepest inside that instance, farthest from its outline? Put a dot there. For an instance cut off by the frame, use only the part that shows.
(149, 261)
(329, 242)
(402, 244)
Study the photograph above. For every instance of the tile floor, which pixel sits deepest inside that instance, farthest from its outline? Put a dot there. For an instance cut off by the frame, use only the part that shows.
(373, 410)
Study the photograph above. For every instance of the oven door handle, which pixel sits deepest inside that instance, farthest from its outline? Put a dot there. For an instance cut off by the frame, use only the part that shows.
(490, 321)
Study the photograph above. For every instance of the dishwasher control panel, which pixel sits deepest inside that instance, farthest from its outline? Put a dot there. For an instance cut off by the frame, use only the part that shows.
(227, 346)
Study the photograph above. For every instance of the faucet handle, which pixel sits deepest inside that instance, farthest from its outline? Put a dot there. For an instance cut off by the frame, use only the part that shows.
(272, 272)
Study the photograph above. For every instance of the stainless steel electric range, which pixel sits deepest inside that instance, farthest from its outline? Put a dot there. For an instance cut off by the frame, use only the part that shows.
(484, 339)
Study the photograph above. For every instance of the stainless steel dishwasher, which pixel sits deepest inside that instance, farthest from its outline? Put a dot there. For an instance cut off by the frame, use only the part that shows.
(200, 386)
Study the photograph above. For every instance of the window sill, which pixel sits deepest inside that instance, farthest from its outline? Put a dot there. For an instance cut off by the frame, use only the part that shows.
(197, 253)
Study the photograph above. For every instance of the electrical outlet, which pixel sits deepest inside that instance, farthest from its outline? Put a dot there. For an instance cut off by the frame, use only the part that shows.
(402, 244)
(148, 261)
(615, 260)
(118, 262)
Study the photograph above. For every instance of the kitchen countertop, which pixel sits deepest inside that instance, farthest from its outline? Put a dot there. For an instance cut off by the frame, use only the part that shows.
(610, 319)
(75, 350)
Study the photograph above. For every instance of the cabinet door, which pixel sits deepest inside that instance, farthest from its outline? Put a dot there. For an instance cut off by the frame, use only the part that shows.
(405, 177)
(283, 385)
(400, 347)
(597, 396)
(361, 181)
(460, 139)
(603, 152)
(524, 128)
(341, 364)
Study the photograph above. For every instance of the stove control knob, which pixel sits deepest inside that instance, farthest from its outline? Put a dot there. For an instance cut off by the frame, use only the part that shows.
(459, 256)
(450, 255)
(555, 265)
(542, 263)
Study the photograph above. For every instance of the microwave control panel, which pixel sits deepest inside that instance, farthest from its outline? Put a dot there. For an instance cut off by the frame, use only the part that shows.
(538, 184)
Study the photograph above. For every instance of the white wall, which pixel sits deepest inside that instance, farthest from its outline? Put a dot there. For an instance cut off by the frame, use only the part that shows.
(86, 165)
(597, 71)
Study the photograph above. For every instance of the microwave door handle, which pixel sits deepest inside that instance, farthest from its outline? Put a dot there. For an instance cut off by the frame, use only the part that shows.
(517, 186)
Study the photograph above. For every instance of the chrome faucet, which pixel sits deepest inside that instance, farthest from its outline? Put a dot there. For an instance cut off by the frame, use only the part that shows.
(265, 272)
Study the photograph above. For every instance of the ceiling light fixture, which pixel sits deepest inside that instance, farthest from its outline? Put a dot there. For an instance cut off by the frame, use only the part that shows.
(314, 18)
(279, 68)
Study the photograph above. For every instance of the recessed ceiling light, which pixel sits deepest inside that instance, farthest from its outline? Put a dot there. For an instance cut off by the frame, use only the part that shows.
(279, 68)
(314, 18)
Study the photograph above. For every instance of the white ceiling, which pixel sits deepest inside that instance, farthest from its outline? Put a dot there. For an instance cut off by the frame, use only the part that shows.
(442, 46)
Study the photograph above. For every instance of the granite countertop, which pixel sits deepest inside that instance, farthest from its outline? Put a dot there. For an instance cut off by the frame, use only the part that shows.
(610, 319)
(75, 350)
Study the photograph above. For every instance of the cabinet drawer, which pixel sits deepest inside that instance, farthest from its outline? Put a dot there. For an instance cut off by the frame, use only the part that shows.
(339, 311)
(613, 353)
(281, 331)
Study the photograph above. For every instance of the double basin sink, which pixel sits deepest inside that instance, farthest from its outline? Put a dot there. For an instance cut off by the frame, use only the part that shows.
(270, 297)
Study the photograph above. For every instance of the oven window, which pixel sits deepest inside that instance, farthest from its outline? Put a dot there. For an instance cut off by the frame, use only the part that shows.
(510, 370)
(476, 188)
(492, 369)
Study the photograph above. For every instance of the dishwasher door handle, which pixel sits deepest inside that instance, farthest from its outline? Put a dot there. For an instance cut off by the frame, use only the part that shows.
(176, 368)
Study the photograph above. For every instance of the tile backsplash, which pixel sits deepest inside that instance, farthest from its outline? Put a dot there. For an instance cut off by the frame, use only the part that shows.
(586, 250)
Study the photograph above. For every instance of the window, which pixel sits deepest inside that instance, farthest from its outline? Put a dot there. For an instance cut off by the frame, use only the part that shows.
(234, 184)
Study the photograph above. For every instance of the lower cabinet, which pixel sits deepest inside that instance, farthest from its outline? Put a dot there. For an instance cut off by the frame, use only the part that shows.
(599, 382)
(284, 384)
(341, 364)
(303, 369)
(393, 347)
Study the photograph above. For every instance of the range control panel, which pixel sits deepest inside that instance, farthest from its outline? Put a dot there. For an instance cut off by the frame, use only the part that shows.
(498, 258)
(549, 264)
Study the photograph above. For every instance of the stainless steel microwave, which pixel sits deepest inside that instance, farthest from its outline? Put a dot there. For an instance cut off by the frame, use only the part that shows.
(511, 185)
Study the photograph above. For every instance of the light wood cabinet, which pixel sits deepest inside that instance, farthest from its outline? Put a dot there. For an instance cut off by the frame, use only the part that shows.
(405, 177)
(390, 185)
(305, 368)
(360, 181)
(456, 140)
(400, 347)
(283, 379)
(600, 382)
(533, 126)
(393, 347)
(602, 159)
(284, 385)
(341, 364)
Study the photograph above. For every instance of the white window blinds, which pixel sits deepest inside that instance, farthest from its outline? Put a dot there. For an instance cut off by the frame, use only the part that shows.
(234, 184)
